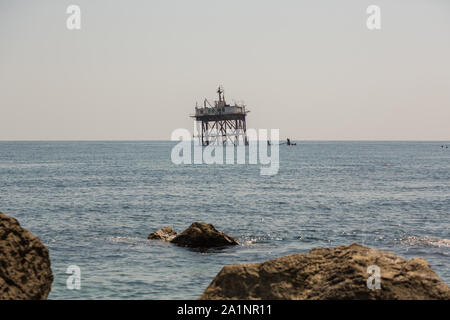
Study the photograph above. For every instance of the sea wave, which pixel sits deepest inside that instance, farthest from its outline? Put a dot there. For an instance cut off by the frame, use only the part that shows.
(250, 240)
(426, 242)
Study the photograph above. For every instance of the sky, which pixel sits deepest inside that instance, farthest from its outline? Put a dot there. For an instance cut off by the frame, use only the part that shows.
(312, 69)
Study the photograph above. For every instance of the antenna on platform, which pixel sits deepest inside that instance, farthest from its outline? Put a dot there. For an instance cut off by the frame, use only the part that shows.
(221, 93)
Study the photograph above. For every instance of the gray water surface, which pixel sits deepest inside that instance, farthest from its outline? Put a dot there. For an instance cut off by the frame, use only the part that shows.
(94, 203)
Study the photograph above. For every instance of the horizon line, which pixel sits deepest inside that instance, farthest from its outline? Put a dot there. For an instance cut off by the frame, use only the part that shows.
(168, 140)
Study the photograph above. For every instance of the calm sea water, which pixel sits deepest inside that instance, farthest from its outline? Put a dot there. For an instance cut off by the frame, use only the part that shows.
(94, 203)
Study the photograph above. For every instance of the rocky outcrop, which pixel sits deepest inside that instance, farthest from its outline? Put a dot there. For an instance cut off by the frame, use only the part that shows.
(164, 234)
(198, 235)
(340, 273)
(203, 235)
(25, 271)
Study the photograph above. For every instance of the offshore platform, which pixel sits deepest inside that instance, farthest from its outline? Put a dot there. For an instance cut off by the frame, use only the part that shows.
(221, 123)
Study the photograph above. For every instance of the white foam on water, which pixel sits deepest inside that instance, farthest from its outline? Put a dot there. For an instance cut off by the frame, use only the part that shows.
(426, 241)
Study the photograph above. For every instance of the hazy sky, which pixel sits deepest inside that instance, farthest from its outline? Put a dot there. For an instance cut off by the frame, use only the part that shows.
(310, 68)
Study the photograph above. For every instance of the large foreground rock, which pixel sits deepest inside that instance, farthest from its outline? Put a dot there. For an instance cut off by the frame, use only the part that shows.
(339, 273)
(24, 263)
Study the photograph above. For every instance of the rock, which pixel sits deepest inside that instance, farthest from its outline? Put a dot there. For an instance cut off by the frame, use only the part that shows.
(165, 234)
(203, 235)
(25, 271)
(339, 273)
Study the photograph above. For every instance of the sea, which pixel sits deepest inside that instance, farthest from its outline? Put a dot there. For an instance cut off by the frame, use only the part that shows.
(93, 204)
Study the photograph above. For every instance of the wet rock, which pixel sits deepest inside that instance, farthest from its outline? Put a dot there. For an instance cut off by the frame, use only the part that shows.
(339, 273)
(164, 234)
(25, 271)
(203, 235)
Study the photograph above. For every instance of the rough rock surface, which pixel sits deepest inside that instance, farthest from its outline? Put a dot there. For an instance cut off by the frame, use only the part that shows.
(165, 234)
(25, 271)
(203, 235)
(339, 273)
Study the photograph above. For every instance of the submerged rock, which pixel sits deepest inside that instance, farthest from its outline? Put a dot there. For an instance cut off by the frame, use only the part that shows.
(164, 234)
(203, 235)
(340, 273)
(25, 271)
